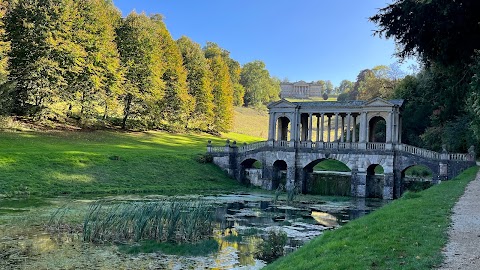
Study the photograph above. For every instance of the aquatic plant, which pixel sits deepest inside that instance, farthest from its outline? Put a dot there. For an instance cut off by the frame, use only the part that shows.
(176, 221)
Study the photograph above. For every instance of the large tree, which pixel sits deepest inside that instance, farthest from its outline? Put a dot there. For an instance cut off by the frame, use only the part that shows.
(139, 46)
(442, 31)
(98, 82)
(445, 35)
(176, 105)
(260, 88)
(222, 94)
(199, 84)
(44, 58)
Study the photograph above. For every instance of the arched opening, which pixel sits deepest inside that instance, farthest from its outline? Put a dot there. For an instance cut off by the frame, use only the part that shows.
(327, 177)
(251, 172)
(283, 129)
(377, 130)
(375, 181)
(416, 178)
(279, 174)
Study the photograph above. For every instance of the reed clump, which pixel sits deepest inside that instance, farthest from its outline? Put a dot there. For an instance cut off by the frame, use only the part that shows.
(161, 221)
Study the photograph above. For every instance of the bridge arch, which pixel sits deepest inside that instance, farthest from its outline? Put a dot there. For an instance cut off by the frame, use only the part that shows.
(279, 173)
(375, 181)
(416, 177)
(309, 175)
(250, 170)
(377, 129)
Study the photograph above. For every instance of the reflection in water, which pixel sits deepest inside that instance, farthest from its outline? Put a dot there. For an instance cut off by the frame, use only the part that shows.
(325, 219)
(241, 222)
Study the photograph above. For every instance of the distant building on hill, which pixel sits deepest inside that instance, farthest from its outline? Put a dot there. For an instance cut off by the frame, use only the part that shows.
(300, 89)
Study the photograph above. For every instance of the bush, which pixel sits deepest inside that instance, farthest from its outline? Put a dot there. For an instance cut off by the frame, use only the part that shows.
(204, 158)
(271, 248)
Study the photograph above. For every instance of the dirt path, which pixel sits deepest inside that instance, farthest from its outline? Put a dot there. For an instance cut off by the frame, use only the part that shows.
(463, 247)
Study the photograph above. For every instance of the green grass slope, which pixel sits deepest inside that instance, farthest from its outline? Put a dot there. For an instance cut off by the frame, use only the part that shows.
(408, 233)
(100, 162)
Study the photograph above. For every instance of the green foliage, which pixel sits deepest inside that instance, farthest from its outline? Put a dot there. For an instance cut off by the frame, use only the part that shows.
(445, 32)
(222, 93)
(138, 42)
(408, 233)
(272, 247)
(4, 44)
(260, 88)
(177, 104)
(199, 86)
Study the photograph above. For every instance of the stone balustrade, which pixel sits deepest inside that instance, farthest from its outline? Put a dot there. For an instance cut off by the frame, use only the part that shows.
(417, 151)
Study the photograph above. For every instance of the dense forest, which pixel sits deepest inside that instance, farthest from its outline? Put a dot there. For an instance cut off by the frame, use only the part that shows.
(79, 61)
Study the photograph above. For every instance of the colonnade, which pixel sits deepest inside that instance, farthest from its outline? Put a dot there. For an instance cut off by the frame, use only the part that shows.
(342, 122)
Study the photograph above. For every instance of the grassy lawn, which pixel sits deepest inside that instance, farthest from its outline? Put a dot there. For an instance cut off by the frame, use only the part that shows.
(408, 233)
(253, 122)
(101, 162)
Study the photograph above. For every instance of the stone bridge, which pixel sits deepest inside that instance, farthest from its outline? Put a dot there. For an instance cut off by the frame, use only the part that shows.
(295, 147)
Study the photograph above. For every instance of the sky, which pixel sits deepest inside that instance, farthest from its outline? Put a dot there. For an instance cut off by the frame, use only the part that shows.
(297, 40)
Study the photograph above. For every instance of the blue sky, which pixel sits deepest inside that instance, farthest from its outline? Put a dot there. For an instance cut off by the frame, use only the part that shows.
(298, 40)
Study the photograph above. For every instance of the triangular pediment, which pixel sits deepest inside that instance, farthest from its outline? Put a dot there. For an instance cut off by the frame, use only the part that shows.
(378, 102)
(283, 103)
(301, 83)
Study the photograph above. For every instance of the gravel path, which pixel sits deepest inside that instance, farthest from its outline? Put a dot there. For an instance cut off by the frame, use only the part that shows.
(463, 247)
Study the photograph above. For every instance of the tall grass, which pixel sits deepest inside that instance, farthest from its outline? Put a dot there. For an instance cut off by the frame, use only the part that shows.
(163, 221)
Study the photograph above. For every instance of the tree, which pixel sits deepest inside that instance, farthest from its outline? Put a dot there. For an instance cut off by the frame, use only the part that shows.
(98, 82)
(44, 58)
(445, 35)
(222, 94)
(260, 88)
(211, 50)
(444, 32)
(328, 87)
(345, 86)
(176, 105)
(139, 47)
(4, 44)
(199, 85)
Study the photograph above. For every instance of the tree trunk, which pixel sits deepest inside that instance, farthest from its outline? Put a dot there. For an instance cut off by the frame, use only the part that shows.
(126, 111)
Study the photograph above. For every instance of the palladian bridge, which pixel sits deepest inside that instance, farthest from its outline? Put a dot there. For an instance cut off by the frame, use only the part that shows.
(360, 134)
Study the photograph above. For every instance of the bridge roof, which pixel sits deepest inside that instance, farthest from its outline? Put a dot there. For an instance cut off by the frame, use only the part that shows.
(338, 104)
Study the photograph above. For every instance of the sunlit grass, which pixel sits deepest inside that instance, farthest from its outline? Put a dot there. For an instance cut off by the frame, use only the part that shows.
(408, 233)
(101, 162)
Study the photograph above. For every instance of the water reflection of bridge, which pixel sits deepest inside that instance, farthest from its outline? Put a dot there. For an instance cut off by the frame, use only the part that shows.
(364, 135)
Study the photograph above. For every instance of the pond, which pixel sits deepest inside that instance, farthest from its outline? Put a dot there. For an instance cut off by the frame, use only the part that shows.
(240, 223)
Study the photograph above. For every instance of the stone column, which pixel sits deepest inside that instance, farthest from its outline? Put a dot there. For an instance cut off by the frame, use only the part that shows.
(349, 118)
(354, 138)
(363, 128)
(291, 174)
(359, 183)
(336, 128)
(310, 127)
(294, 136)
(271, 127)
(321, 127)
(318, 128)
(342, 133)
(388, 186)
(329, 127)
(389, 128)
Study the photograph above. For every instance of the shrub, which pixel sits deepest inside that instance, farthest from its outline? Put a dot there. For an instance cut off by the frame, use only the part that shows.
(271, 248)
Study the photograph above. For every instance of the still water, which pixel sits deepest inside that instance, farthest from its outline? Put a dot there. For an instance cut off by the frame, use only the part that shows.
(240, 223)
